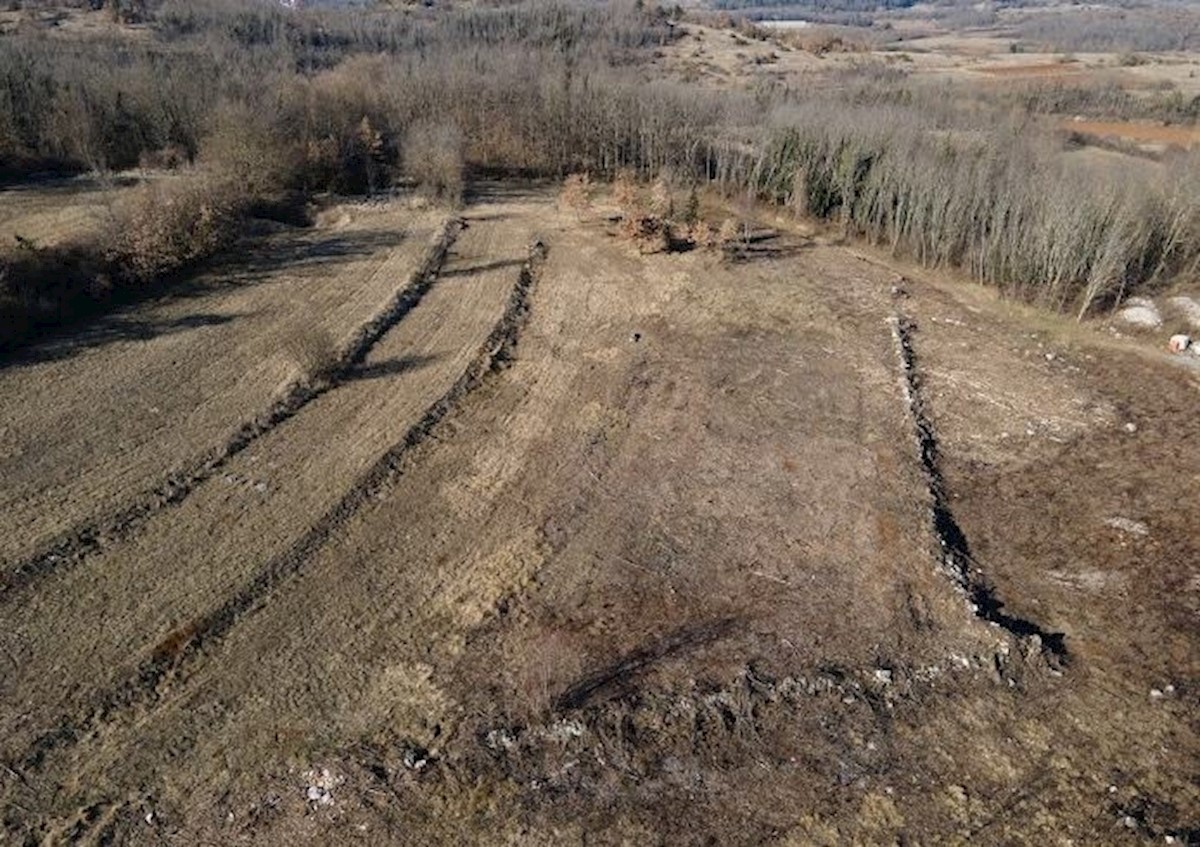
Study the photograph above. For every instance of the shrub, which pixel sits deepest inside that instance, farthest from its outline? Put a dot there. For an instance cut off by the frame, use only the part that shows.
(662, 203)
(576, 192)
(433, 157)
(249, 146)
(625, 192)
(169, 224)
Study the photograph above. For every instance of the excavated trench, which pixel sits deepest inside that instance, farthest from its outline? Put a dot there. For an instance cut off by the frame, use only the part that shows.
(956, 559)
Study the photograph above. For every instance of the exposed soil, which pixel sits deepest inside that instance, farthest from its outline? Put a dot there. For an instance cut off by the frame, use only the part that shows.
(596, 546)
(1175, 136)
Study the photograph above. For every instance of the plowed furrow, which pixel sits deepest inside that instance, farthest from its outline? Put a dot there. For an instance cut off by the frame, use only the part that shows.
(183, 648)
(86, 539)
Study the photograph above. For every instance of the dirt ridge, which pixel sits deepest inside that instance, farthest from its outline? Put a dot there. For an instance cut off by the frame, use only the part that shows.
(87, 539)
(956, 559)
(154, 676)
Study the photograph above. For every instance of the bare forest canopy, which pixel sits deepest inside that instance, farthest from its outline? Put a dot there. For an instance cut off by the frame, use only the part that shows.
(253, 101)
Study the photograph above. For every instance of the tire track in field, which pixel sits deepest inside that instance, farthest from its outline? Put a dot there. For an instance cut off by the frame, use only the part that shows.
(89, 538)
(157, 675)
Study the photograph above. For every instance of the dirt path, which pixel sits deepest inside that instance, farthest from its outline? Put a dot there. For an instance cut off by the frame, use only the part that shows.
(92, 422)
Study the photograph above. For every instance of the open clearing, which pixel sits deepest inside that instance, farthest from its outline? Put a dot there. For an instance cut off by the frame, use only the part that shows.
(593, 543)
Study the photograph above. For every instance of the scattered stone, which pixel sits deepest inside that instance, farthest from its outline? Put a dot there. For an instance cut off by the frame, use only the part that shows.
(1155, 694)
(500, 739)
(1140, 313)
(260, 487)
(1129, 821)
(320, 796)
(1127, 525)
(1050, 357)
(1179, 343)
(1131, 427)
(883, 676)
(564, 730)
(321, 785)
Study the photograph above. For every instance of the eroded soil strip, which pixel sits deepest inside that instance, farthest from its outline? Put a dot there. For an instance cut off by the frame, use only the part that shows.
(82, 541)
(957, 562)
(151, 679)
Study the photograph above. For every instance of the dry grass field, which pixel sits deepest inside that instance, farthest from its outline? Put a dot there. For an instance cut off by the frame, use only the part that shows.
(443, 454)
(586, 539)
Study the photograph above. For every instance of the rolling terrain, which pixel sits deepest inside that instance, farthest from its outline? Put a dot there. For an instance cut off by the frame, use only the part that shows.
(571, 543)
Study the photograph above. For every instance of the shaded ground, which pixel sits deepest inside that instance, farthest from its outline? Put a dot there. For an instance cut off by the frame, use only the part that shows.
(99, 417)
(669, 576)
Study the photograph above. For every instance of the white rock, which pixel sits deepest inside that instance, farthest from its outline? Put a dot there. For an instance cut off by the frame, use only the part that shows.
(1128, 525)
(883, 676)
(1179, 343)
(1141, 316)
(1131, 427)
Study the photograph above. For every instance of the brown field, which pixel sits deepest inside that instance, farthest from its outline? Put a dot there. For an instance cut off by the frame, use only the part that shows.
(1183, 137)
(1048, 69)
(601, 545)
(692, 434)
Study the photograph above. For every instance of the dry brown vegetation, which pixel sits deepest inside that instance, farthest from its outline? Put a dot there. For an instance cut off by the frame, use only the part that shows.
(712, 518)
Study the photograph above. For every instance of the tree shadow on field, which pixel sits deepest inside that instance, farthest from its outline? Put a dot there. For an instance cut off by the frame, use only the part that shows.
(766, 245)
(390, 367)
(129, 313)
(255, 261)
(506, 190)
(497, 265)
(113, 329)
